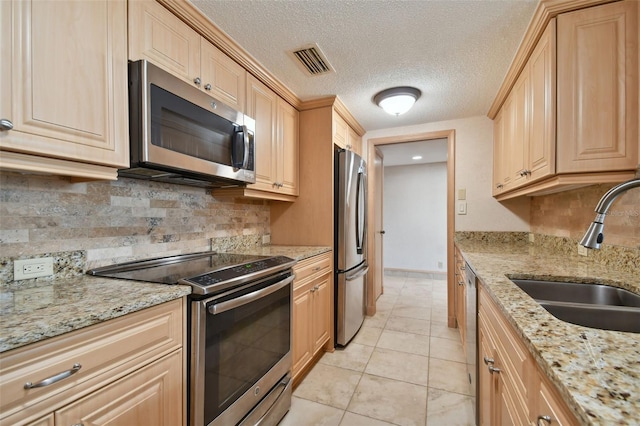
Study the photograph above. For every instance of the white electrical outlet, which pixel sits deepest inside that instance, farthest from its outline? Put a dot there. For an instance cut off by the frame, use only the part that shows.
(582, 250)
(266, 239)
(32, 268)
(532, 237)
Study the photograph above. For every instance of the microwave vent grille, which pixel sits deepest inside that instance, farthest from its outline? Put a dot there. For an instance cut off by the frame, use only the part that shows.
(312, 60)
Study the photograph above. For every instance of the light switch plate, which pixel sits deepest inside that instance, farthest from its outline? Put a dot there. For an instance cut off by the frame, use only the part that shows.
(462, 194)
(462, 207)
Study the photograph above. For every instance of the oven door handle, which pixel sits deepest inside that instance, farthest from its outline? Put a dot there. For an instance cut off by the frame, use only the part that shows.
(248, 298)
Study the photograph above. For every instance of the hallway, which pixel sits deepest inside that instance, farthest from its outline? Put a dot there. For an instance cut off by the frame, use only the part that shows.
(404, 367)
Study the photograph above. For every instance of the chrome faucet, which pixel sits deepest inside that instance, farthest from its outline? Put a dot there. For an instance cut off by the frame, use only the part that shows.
(594, 237)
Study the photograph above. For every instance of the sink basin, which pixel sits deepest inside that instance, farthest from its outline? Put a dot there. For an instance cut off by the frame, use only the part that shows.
(596, 316)
(590, 305)
(578, 293)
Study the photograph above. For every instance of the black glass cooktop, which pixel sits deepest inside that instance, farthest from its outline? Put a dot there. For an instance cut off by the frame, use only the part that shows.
(206, 272)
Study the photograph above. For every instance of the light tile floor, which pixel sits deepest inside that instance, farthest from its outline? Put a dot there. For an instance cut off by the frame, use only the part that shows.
(404, 367)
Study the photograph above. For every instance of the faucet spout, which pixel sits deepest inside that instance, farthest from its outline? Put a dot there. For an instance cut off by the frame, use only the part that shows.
(594, 235)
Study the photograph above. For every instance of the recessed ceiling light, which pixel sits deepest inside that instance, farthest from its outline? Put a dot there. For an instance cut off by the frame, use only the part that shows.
(417, 157)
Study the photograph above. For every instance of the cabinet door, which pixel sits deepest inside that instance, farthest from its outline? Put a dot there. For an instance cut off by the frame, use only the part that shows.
(63, 81)
(552, 406)
(498, 149)
(45, 421)
(159, 36)
(509, 119)
(223, 78)
(519, 131)
(355, 142)
(340, 131)
(541, 155)
(152, 395)
(321, 311)
(301, 345)
(287, 132)
(486, 382)
(598, 88)
(261, 106)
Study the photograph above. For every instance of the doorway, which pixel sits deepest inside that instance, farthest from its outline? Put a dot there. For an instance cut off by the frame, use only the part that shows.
(374, 242)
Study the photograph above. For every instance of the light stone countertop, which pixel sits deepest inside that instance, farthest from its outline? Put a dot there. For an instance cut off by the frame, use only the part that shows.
(597, 372)
(33, 310)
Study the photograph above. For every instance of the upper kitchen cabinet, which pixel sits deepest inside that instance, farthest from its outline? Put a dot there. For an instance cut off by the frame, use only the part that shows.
(344, 136)
(598, 88)
(159, 36)
(276, 146)
(524, 129)
(567, 114)
(63, 87)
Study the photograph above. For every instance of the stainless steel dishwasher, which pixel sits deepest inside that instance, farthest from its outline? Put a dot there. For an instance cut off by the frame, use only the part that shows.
(471, 339)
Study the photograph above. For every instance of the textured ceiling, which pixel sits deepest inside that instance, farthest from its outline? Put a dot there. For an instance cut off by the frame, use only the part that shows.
(456, 52)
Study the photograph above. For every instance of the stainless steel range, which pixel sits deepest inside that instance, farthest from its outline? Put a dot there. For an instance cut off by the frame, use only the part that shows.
(239, 317)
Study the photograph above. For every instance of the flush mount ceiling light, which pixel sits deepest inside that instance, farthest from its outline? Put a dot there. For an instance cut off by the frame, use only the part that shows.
(397, 100)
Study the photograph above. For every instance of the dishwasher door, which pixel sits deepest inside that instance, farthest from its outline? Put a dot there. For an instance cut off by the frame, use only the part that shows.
(471, 339)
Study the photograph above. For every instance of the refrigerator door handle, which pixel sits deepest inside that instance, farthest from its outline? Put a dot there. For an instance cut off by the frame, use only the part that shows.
(360, 225)
(357, 274)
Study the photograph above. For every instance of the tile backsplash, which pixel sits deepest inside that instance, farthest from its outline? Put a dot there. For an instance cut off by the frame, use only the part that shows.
(568, 214)
(127, 219)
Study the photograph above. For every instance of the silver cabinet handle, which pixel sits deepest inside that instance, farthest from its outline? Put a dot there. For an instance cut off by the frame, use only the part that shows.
(493, 369)
(197, 81)
(207, 86)
(53, 379)
(5, 124)
(78, 424)
(488, 361)
(317, 268)
(546, 419)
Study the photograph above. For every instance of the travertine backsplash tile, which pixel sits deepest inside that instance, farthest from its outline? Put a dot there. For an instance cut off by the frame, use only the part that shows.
(568, 214)
(117, 221)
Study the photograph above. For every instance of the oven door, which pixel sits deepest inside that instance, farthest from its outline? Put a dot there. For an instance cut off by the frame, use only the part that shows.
(241, 342)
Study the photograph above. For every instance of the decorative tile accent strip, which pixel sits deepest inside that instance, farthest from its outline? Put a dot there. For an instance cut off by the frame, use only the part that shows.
(492, 237)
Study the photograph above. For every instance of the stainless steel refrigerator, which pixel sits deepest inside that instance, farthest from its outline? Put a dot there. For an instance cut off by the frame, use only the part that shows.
(350, 244)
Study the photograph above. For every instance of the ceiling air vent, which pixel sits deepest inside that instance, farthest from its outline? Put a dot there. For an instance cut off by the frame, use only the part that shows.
(312, 60)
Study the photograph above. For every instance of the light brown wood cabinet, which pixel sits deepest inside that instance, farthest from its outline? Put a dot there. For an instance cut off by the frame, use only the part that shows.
(571, 118)
(277, 155)
(344, 136)
(513, 390)
(460, 296)
(129, 368)
(524, 129)
(598, 88)
(159, 36)
(63, 86)
(312, 295)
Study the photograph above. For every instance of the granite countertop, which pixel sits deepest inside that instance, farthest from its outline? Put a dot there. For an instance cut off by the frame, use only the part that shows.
(32, 311)
(294, 252)
(597, 372)
(50, 308)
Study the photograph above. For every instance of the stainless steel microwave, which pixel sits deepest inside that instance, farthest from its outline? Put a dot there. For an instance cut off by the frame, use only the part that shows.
(180, 134)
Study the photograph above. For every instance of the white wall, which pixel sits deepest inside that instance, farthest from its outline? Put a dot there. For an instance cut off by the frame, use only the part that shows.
(474, 170)
(415, 217)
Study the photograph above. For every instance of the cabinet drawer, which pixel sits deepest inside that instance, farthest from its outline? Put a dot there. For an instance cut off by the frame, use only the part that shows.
(105, 352)
(514, 355)
(320, 264)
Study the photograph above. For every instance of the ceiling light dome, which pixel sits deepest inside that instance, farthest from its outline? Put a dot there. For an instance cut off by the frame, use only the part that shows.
(397, 100)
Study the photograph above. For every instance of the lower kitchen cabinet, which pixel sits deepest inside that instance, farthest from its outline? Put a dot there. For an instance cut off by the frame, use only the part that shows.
(513, 390)
(312, 291)
(460, 296)
(127, 370)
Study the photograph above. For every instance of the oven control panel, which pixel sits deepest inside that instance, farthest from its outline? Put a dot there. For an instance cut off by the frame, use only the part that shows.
(236, 272)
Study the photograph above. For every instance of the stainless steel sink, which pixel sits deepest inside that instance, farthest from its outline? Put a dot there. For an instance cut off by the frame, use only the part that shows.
(578, 293)
(596, 316)
(590, 305)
